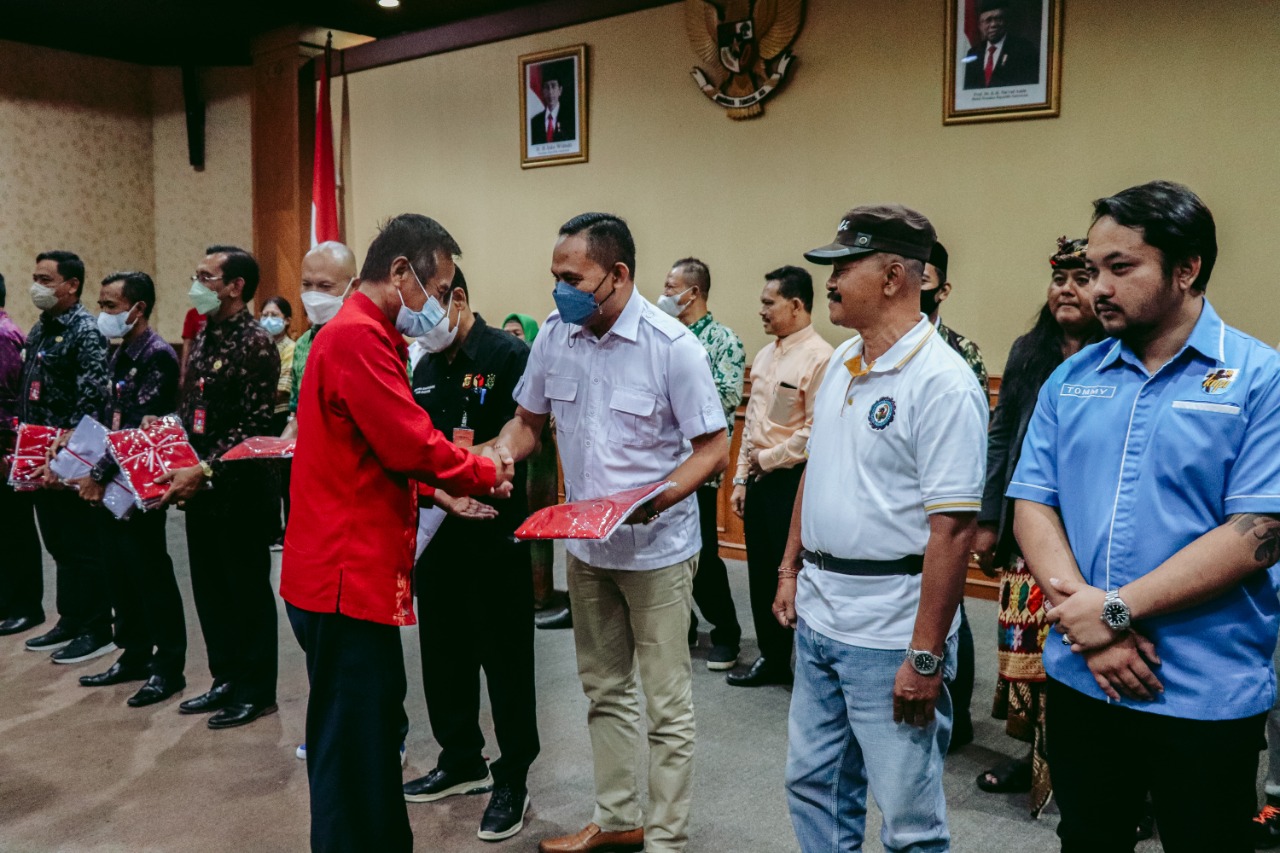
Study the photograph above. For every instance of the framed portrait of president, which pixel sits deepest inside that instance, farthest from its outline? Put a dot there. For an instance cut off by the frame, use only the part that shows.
(1003, 60)
(553, 107)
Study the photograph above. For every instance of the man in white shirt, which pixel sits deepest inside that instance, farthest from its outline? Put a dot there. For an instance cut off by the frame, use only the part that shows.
(634, 404)
(874, 569)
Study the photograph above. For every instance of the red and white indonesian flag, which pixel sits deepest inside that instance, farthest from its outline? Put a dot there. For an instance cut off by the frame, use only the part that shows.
(324, 183)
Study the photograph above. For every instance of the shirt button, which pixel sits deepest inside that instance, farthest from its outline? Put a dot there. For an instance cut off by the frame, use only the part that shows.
(595, 380)
(587, 443)
(586, 475)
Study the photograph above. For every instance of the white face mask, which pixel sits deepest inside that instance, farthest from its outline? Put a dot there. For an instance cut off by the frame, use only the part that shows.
(420, 323)
(439, 337)
(114, 326)
(323, 307)
(43, 296)
(671, 304)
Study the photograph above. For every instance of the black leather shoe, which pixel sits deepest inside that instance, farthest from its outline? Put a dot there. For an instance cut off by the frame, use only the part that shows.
(157, 689)
(117, 673)
(219, 696)
(51, 640)
(18, 624)
(504, 816)
(554, 619)
(439, 784)
(760, 673)
(240, 714)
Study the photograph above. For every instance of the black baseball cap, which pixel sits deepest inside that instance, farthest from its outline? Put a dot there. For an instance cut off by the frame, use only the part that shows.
(878, 228)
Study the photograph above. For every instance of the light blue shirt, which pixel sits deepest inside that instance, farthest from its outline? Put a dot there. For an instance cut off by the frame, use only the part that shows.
(1140, 465)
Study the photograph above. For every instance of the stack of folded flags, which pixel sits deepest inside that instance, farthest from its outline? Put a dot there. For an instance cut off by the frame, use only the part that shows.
(30, 453)
(144, 454)
(84, 452)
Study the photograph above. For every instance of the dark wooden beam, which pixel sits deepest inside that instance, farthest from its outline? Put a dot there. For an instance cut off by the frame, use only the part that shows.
(549, 15)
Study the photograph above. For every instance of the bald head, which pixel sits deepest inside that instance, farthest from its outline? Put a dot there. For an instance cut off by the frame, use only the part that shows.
(331, 260)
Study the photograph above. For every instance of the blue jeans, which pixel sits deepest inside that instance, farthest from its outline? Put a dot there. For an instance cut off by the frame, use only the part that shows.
(842, 738)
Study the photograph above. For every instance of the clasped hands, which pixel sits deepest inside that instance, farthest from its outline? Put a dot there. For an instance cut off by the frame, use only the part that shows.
(505, 464)
(1121, 663)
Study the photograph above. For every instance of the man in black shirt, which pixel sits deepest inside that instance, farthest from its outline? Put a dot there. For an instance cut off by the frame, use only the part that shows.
(150, 625)
(474, 581)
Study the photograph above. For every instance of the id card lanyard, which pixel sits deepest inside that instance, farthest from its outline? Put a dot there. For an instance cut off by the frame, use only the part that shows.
(198, 417)
(33, 392)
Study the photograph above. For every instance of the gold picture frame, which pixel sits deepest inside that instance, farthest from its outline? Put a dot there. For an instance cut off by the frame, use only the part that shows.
(1003, 60)
(553, 107)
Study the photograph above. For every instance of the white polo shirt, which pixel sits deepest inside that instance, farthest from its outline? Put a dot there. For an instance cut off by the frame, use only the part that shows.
(892, 443)
(625, 406)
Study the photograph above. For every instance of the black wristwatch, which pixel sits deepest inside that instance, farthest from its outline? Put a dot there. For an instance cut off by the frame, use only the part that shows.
(1115, 613)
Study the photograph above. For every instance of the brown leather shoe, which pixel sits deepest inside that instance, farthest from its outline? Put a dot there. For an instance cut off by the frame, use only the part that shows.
(595, 838)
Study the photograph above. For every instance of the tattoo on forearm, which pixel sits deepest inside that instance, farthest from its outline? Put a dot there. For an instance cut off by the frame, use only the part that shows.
(1264, 530)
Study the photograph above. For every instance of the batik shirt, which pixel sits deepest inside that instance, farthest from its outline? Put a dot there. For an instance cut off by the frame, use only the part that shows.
(64, 370)
(144, 381)
(728, 364)
(229, 391)
(969, 352)
(11, 343)
(301, 347)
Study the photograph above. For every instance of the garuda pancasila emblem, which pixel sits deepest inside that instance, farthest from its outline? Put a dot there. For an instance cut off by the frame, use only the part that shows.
(744, 45)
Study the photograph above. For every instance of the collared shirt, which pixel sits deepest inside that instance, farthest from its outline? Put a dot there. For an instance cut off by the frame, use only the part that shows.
(1139, 465)
(231, 384)
(64, 372)
(144, 381)
(361, 440)
(968, 351)
(626, 406)
(728, 364)
(785, 376)
(475, 391)
(11, 343)
(285, 347)
(893, 442)
(301, 347)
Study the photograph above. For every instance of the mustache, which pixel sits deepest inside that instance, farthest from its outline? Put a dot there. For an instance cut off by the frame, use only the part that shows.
(834, 296)
(1101, 304)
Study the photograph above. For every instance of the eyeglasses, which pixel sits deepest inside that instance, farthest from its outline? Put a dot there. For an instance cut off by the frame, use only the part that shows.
(204, 279)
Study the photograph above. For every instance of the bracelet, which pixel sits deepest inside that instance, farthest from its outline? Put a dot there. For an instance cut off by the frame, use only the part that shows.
(788, 572)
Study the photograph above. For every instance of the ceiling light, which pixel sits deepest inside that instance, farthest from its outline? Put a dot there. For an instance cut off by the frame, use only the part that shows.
(389, 4)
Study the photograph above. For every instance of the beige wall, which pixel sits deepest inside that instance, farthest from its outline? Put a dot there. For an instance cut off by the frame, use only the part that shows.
(859, 122)
(93, 158)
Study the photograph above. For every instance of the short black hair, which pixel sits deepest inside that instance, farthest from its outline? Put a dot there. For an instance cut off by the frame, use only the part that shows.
(938, 257)
(698, 271)
(69, 266)
(1170, 217)
(992, 5)
(238, 264)
(137, 287)
(459, 280)
(608, 238)
(2, 291)
(283, 304)
(793, 283)
(409, 235)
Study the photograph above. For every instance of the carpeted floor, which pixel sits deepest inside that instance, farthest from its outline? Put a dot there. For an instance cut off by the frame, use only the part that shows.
(80, 771)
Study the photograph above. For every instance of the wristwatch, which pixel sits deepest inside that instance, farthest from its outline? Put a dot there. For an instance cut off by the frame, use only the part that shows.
(206, 469)
(739, 481)
(925, 663)
(1115, 613)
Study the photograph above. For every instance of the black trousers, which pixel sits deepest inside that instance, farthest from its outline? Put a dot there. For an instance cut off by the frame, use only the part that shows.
(228, 542)
(711, 581)
(962, 687)
(67, 523)
(355, 716)
(1105, 758)
(475, 612)
(767, 521)
(150, 625)
(21, 573)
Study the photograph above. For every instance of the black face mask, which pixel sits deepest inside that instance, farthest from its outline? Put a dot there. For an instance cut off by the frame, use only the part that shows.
(929, 301)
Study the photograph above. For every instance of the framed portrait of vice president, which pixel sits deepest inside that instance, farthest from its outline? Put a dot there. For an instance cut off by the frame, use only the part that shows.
(1003, 60)
(553, 107)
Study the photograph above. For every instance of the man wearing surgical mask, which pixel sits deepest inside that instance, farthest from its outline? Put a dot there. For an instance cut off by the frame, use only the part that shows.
(150, 626)
(228, 394)
(64, 378)
(465, 382)
(328, 278)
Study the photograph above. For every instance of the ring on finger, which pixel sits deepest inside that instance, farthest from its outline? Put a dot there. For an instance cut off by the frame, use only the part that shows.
(1066, 639)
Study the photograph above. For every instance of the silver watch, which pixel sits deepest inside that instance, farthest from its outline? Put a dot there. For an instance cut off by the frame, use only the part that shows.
(925, 663)
(739, 481)
(1115, 613)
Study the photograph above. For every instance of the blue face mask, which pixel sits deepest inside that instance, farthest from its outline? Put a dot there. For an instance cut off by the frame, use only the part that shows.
(576, 306)
(273, 325)
(415, 324)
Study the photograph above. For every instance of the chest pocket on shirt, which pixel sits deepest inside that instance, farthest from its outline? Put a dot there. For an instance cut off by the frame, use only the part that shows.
(785, 403)
(631, 419)
(563, 392)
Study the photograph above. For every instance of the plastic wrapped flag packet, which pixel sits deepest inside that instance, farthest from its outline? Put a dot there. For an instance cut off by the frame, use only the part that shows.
(261, 447)
(85, 449)
(30, 452)
(591, 519)
(144, 454)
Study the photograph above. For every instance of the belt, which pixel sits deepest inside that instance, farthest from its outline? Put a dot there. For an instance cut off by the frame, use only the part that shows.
(912, 565)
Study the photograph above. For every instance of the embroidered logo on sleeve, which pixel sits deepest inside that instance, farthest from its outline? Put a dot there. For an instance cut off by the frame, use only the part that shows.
(1219, 380)
(1102, 391)
(882, 412)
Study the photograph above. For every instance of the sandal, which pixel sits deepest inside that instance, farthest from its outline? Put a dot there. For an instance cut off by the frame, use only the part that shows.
(1010, 777)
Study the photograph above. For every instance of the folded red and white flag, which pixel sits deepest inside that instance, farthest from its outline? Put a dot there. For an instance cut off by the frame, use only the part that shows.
(596, 519)
(144, 454)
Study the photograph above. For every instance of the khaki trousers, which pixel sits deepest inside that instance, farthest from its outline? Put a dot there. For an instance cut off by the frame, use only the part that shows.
(627, 623)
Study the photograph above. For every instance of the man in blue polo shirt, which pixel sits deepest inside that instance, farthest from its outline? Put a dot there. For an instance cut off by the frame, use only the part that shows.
(1148, 497)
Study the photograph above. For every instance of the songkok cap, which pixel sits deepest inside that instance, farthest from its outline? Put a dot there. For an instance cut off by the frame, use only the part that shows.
(878, 228)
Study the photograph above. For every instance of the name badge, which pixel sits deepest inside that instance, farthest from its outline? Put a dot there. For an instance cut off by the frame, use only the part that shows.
(34, 393)
(464, 437)
(1086, 391)
(115, 420)
(197, 422)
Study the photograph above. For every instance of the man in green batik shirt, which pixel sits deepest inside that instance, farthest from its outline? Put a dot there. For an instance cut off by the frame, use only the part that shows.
(684, 296)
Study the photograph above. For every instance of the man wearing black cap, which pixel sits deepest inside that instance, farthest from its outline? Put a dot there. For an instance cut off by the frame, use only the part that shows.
(874, 568)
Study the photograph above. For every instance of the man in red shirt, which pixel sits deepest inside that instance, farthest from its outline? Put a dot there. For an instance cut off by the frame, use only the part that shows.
(348, 551)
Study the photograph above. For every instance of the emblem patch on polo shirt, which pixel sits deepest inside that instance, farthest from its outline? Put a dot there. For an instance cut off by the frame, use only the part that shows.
(882, 412)
(1218, 381)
